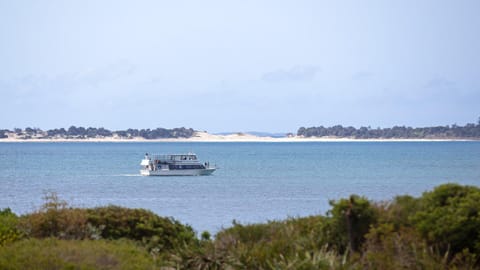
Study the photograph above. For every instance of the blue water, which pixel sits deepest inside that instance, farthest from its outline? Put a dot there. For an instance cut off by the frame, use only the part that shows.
(256, 182)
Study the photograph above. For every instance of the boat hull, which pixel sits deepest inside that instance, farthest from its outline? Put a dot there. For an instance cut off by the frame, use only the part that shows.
(185, 172)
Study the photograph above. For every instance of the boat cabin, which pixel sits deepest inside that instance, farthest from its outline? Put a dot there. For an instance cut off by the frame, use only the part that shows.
(176, 164)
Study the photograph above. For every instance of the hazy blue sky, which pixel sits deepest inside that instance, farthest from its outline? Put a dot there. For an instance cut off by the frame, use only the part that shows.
(238, 65)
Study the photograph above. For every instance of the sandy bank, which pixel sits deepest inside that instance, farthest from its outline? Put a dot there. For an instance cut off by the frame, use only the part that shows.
(237, 137)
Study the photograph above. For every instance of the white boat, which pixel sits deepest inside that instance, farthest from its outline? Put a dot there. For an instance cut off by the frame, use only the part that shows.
(174, 165)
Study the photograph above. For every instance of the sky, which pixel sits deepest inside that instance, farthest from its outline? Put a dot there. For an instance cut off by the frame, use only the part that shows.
(223, 66)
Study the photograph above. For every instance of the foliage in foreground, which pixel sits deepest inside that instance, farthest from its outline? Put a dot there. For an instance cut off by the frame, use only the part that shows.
(439, 230)
(9, 231)
(52, 253)
(56, 219)
(160, 233)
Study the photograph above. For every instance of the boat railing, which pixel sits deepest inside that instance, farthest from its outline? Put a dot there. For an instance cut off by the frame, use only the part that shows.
(173, 157)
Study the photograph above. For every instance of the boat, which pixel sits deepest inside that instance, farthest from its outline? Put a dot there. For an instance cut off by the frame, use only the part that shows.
(174, 165)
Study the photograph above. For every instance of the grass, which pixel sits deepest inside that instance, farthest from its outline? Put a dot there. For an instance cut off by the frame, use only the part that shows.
(52, 253)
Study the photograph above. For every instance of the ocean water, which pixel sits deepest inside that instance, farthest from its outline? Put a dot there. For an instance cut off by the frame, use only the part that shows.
(256, 182)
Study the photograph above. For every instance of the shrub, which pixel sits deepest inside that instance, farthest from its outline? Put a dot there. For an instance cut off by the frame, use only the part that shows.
(8, 227)
(398, 212)
(449, 218)
(55, 219)
(387, 248)
(350, 221)
(292, 244)
(141, 225)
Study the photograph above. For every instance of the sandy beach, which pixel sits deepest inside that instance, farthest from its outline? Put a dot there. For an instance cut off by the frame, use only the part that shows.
(235, 137)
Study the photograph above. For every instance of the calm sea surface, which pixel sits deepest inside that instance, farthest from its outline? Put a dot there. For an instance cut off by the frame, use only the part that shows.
(256, 182)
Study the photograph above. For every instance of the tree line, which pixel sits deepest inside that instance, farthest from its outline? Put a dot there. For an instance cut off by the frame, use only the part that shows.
(469, 131)
(91, 132)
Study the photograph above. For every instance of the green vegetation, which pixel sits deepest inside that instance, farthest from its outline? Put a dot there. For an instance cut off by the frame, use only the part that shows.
(9, 231)
(52, 253)
(350, 221)
(449, 218)
(74, 132)
(3, 133)
(159, 233)
(438, 230)
(469, 131)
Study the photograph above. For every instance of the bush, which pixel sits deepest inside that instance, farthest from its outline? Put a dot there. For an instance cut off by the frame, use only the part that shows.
(291, 244)
(439, 230)
(449, 218)
(142, 225)
(55, 219)
(8, 227)
(350, 221)
(387, 248)
(398, 212)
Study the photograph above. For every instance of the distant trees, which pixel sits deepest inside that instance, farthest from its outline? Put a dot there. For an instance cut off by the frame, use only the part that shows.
(56, 132)
(74, 131)
(3, 133)
(91, 132)
(469, 131)
(163, 133)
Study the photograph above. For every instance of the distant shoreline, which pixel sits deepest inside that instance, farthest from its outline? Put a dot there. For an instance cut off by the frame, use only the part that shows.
(239, 137)
(338, 133)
